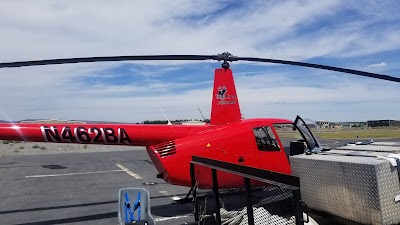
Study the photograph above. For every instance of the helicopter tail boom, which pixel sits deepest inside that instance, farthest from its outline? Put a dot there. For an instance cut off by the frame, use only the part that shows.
(103, 134)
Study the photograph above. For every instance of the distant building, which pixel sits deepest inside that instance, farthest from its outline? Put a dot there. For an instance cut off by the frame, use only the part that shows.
(383, 123)
(335, 125)
(323, 124)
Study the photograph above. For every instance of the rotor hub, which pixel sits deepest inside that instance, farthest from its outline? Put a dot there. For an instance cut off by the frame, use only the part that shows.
(226, 57)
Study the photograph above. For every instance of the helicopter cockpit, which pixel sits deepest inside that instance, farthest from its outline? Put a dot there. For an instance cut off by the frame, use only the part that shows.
(265, 139)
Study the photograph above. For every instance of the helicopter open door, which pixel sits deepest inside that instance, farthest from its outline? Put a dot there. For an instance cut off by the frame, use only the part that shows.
(311, 143)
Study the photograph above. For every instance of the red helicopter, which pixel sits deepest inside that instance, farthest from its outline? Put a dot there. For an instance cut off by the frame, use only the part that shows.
(260, 143)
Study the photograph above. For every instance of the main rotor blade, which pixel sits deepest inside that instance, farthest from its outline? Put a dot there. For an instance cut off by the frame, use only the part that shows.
(220, 57)
(318, 66)
(106, 59)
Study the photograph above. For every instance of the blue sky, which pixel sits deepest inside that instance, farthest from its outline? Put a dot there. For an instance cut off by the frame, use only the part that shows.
(351, 34)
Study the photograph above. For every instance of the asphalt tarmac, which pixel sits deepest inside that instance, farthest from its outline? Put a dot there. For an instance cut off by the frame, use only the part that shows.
(82, 188)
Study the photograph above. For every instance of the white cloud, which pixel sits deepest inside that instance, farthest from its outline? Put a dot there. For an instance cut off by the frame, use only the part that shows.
(45, 29)
(273, 29)
(381, 64)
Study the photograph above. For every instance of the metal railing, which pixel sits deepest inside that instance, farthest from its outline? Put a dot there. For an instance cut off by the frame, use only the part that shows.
(226, 193)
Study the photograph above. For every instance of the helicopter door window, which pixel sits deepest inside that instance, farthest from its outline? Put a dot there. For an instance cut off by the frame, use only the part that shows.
(265, 139)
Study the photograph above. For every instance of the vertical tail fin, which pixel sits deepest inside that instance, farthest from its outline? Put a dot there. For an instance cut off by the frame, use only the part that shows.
(225, 104)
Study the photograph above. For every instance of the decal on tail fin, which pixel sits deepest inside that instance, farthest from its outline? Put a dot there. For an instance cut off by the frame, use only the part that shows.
(225, 104)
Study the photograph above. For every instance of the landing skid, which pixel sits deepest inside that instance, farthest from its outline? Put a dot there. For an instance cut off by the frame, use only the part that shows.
(185, 200)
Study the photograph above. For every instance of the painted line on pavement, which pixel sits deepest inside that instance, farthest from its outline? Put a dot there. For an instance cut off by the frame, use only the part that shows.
(128, 171)
(159, 219)
(71, 174)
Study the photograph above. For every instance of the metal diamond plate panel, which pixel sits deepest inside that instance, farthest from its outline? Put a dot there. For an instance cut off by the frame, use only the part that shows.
(388, 188)
(376, 148)
(357, 153)
(386, 143)
(360, 189)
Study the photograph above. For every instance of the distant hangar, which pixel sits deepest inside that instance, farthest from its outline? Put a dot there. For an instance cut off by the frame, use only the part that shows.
(383, 123)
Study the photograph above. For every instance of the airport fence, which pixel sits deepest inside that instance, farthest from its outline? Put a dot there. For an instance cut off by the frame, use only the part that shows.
(231, 194)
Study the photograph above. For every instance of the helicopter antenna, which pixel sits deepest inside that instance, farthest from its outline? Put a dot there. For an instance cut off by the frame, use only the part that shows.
(202, 115)
(169, 122)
